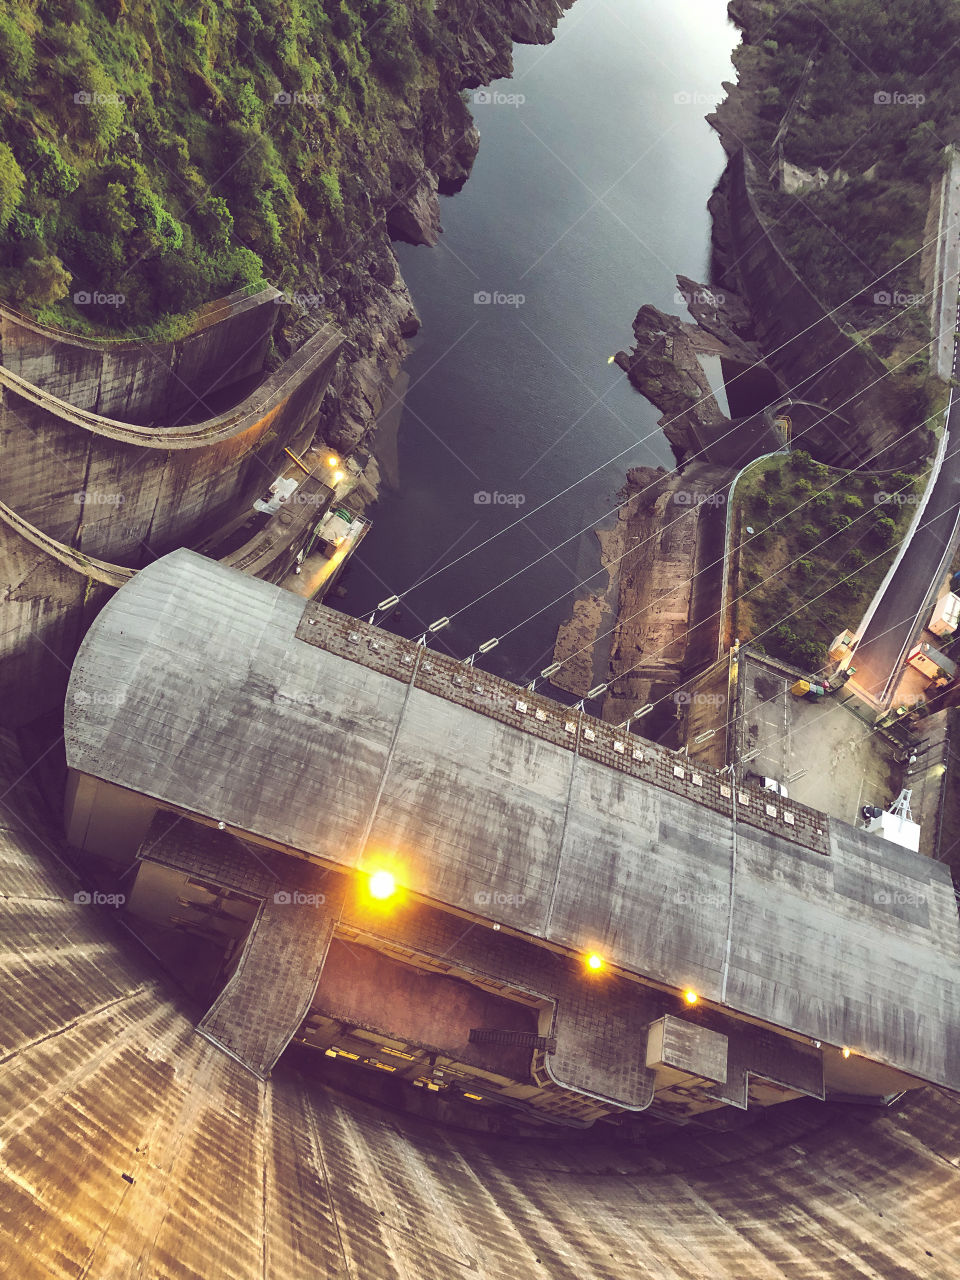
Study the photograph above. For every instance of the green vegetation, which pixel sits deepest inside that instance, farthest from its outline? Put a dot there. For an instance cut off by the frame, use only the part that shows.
(865, 92)
(814, 526)
(172, 152)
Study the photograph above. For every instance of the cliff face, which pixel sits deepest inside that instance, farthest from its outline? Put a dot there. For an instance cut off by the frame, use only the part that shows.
(433, 147)
(804, 265)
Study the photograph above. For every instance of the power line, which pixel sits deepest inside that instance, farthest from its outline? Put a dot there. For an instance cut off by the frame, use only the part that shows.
(393, 600)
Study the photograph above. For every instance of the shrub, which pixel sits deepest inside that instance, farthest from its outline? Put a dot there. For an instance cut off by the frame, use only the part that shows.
(885, 531)
(11, 185)
(16, 49)
(41, 282)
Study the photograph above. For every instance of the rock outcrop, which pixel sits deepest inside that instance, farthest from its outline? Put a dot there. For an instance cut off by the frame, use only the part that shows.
(664, 366)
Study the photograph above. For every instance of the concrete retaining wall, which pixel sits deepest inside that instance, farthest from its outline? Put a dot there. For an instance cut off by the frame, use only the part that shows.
(143, 382)
(124, 493)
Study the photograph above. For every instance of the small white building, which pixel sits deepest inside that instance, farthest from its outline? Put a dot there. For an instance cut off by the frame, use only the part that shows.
(946, 615)
(896, 824)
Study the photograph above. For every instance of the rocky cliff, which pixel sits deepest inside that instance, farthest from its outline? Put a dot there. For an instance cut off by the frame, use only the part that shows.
(434, 144)
(803, 265)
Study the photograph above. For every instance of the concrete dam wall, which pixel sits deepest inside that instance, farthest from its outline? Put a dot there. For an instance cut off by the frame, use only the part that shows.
(124, 493)
(806, 346)
(144, 382)
(132, 1146)
(78, 486)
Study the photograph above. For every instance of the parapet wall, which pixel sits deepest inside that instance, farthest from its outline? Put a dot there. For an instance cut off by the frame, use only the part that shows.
(807, 347)
(143, 382)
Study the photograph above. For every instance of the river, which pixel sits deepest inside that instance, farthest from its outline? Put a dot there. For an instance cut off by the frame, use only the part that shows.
(588, 196)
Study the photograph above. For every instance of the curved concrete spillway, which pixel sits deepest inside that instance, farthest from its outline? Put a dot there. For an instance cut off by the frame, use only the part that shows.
(131, 1146)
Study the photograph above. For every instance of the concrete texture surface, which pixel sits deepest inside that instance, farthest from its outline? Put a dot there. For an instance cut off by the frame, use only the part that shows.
(826, 753)
(131, 1146)
(144, 382)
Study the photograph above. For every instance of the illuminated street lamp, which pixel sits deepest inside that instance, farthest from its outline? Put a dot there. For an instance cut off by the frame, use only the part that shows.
(381, 885)
(594, 962)
(690, 996)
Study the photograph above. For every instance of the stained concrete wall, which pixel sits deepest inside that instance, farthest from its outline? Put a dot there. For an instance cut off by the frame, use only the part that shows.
(45, 608)
(144, 382)
(124, 493)
(121, 493)
(806, 346)
(131, 1146)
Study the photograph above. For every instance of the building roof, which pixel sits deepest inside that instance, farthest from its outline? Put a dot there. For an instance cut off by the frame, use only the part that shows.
(226, 697)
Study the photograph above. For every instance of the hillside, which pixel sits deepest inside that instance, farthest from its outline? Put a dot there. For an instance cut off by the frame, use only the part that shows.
(155, 155)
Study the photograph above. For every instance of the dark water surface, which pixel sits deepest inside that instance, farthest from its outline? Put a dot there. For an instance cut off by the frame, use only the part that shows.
(586, 199)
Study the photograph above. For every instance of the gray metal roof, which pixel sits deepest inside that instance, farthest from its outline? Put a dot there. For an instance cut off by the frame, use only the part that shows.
(193, 686)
